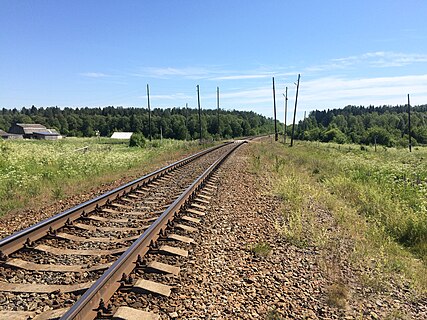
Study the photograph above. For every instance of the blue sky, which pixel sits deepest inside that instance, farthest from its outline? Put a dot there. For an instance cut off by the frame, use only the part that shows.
(98, 53)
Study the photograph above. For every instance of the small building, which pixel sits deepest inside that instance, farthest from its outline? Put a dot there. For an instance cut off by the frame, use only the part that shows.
(122, 135)
(10, 136)
(48, 135)
(34, 131)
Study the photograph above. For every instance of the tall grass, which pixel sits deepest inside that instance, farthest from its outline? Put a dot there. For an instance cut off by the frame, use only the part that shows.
(376, 200)
(32, 169)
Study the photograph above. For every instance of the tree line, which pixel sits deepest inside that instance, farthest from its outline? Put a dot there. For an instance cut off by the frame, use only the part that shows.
(174, 123)
(386, 125)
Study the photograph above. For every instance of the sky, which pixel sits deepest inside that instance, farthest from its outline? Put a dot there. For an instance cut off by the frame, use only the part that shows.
(96, 53)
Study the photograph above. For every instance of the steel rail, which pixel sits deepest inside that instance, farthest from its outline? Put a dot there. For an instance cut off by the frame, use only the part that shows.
(27, 236)
(87, 306)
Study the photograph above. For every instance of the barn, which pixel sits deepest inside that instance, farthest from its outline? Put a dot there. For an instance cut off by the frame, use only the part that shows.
(51, 134)
(34, 131)
(9, 136)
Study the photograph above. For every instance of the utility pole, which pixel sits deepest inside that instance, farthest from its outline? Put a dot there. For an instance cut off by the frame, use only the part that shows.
(217, 109)
(286, 111)
(275, 121)
(305, 124)
(295, 113)
(186, 119)
(149, 112)
(409, 125)
(200, 112)
(186, 115)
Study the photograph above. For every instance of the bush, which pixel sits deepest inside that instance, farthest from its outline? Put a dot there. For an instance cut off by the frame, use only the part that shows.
(261, 249)
(334, 135)
(381, 136)
(137, 140)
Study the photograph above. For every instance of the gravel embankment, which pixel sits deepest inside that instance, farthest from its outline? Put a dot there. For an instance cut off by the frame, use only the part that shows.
(225, 279)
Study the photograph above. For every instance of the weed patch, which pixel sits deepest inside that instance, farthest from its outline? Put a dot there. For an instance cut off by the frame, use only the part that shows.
(368, 208)
(261, 249)
(337, 294)
(39, 170)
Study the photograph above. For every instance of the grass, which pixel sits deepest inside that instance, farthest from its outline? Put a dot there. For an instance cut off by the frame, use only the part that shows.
(34, 172)
(261, 249)
(337, 295)
(364, 206)
(273, 315)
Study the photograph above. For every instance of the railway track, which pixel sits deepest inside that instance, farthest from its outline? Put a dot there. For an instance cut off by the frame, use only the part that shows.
(93, 261)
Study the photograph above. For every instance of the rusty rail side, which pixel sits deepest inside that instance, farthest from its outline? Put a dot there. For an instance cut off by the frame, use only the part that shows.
(27, 236)
(87, 306)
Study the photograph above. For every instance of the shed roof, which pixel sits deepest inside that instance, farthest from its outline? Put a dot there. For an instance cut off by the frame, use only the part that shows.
(31, 125)
(121, 135)
(46, 133)
(5, 134)
(29, 128)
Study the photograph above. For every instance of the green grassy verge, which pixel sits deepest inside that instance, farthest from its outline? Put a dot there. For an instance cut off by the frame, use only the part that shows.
(34, 172)
(369, 206)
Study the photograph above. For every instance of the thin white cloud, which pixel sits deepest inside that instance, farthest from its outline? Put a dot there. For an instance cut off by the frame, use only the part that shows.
(94, 74)
(338, 92)
(383, 59)
(169, 72)
(334, 92)
(378, 59)
(173, 97)
(242, 77)
(212, 73)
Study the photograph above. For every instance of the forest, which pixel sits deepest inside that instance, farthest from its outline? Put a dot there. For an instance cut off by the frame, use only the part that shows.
(174, 123)
(385, 125)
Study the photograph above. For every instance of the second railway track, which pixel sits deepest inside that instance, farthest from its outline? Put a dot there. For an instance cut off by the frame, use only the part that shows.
(92, 261)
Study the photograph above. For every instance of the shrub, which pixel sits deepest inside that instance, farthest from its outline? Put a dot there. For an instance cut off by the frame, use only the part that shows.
(334, 135)
(261, 249)
(137, 140)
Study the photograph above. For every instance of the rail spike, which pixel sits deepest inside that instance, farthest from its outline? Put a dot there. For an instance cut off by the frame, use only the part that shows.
(51, 232)
(126, 281)
(3, 257)
(104, 312)
(163, 234)
(153, 245)
(140, 263)
(29, 244)
(170, 224)
(109, 310)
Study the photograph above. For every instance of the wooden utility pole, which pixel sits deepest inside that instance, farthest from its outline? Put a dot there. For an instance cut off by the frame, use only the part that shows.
(217, 108)
(409, 125)
(295, 113)
(305, 124)
(286, 112)
(149, 112)
(200, 112)
(275, 121)
(186, 114)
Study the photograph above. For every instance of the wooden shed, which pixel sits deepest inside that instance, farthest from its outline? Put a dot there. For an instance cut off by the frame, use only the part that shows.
(48, 135)
(121, 135)
(10, 136)
(34, 131)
